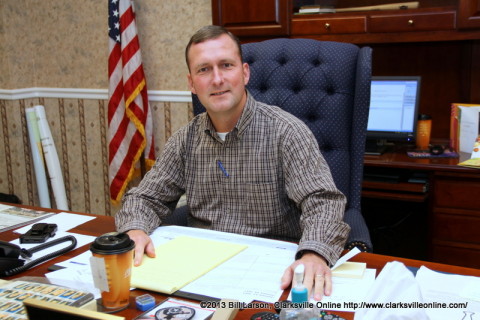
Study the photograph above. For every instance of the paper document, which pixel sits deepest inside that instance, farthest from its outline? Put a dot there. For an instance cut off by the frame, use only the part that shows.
(395, 288)
(468, 127)
(253, 274)
(77, 274)
(350, 270)
(13, 217)
(460, 294)
(350, 254)
(346, 269)
(180, 261)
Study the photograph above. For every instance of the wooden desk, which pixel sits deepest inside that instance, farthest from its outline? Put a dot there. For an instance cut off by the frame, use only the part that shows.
(103, 224)
(450, 194)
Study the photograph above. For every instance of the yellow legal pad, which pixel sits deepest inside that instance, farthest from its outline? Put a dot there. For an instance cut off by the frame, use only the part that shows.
(180, 261)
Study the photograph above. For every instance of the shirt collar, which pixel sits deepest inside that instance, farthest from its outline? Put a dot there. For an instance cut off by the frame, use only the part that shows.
(242, 124)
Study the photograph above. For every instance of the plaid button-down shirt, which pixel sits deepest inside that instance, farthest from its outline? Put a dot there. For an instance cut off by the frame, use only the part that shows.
(268, 178)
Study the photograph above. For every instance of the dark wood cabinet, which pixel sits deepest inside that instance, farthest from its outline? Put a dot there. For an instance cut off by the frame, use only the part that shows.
(253, 18)
(437, 219)
(439, 41)
(468, 14)
(433, 20)
(456, 218)
(412, 22)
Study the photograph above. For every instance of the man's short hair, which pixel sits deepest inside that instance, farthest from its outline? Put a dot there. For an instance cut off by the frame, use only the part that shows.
(208, 33)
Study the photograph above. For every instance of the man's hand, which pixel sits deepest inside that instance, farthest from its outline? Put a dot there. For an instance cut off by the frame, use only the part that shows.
(143, 244)
(318, 275)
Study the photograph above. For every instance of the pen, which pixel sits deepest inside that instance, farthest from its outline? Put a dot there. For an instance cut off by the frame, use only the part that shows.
(220, 165)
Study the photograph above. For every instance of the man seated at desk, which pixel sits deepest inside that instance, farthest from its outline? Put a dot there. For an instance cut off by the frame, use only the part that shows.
(246, 168)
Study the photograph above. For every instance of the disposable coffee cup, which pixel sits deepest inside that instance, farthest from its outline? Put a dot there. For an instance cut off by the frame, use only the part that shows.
(424, 129)
(111, 263)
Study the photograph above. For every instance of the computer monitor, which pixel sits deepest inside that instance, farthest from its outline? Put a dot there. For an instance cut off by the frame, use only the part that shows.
(393, 111)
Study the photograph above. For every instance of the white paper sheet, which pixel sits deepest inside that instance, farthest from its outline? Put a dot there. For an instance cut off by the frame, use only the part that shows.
(346, 257)
(459, 293)
(395, 284)
(77, 274)
(468, 127)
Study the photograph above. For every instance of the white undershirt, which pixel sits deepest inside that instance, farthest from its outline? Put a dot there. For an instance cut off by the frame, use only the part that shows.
(222, 135)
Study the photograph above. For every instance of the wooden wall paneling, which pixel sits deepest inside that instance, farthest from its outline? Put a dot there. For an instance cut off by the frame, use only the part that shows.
(475, 73)
(441, 65)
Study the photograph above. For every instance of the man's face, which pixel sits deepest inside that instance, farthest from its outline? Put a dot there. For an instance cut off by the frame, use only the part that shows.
(218, 76)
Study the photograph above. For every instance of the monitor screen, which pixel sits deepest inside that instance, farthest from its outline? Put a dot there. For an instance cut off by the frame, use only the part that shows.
(393, 109)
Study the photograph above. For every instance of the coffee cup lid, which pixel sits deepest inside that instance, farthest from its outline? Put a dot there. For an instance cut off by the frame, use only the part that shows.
(112, 243)
(424, 117)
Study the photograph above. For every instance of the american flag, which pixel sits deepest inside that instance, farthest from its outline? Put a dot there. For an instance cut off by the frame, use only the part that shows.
(129, 115)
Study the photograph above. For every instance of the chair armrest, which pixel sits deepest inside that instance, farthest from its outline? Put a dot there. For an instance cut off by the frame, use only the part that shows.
(359, 234)
(362, 246)
(179, 217)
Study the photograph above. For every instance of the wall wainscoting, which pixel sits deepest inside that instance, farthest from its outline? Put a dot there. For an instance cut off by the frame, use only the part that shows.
(78, 121)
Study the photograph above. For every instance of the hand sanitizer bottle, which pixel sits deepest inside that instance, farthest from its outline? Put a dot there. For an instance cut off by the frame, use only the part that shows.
(299, 292)
(301, 308)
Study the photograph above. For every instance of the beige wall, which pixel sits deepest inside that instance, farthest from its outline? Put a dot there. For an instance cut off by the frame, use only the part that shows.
(63, 44)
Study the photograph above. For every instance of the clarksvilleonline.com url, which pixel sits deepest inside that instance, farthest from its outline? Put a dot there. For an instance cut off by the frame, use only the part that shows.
(371, 305)
(401, 305)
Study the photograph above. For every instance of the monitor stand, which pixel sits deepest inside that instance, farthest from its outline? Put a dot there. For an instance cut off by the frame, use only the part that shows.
(376, 147)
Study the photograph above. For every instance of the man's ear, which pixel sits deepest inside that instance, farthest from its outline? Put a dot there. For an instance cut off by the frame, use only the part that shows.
(190, 83)
(246, 73)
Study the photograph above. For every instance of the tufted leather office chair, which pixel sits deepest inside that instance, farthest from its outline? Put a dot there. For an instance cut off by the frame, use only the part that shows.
(327, 85)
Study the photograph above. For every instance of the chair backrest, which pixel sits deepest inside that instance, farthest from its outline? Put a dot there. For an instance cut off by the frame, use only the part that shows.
(327, 85)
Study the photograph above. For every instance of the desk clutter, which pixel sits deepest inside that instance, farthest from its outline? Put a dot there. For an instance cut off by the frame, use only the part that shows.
(13, 293)
(247, 269)
(430, 154)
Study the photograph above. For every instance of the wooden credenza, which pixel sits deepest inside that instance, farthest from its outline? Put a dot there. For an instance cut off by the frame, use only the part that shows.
(450, 194)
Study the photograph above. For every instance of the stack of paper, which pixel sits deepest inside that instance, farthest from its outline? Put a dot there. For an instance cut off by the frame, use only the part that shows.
(350, 270)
